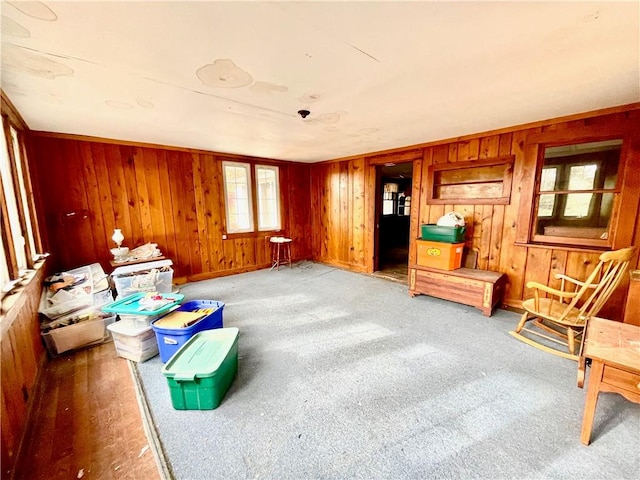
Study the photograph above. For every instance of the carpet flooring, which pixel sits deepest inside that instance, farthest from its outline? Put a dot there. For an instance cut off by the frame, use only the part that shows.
(344, 376)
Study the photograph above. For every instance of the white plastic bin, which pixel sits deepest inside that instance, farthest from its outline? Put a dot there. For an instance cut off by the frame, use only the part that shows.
(64, 301)
(77, 330)
(143, 277)
(132, 341)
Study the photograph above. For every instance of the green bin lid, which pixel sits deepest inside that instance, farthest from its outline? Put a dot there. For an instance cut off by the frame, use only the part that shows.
(201, 355)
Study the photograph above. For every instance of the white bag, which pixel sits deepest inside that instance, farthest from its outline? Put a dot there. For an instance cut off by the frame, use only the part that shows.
(451, 219)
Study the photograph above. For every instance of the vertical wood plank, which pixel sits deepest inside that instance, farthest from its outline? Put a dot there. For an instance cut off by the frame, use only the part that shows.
(129, 156)
(538, 266)
(144, 209)
(169, 247)
(201, 211)
(359, 208)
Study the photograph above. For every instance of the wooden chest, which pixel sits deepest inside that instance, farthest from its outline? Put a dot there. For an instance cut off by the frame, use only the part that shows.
(482, 289)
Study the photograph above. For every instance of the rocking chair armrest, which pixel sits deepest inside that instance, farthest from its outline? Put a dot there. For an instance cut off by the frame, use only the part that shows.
(552, 291)
(561, 276)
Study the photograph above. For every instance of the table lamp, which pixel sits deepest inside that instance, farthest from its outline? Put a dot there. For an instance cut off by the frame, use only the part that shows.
(119, 253)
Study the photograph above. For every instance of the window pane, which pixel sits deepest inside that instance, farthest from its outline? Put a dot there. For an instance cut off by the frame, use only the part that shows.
(577, 205)
(585, 215)
(4, 269)
(23, 192)
(548, 179)
(545, 207)
(589, 167)
(268, 198)
(237, 197)
(12, 206)
(582, 177)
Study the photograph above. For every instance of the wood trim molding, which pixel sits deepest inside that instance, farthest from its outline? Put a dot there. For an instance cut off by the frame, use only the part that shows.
(129, 143)
(9, 110)
(511, 129)
(433, 197)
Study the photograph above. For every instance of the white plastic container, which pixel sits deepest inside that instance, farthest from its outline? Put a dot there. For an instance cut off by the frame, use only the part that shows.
(62, 302)
(77, 330)
(143, 277)
(139, 321)
(133, 341)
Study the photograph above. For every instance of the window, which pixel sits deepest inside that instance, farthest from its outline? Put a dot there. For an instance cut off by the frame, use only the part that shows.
(12, 207)
(575, 193)
(238, 181)
(23, 192)
(18, 233)
(238, 197)
(268, 193)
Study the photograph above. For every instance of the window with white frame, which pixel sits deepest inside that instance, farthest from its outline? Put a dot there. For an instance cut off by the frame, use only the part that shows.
(5, 277)
(23, 192)
(237, 193)
(16, 233)
(268, 196)
(19, 239)
(244, 182)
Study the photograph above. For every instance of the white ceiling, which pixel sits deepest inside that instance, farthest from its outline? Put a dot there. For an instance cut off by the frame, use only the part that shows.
(230, 76)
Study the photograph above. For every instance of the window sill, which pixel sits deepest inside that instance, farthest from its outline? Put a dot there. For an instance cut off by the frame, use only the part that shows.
(30, 285)
(564, 247)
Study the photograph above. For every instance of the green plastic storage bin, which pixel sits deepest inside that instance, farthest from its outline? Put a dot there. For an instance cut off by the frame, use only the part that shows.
(436, 233)
(202, 370)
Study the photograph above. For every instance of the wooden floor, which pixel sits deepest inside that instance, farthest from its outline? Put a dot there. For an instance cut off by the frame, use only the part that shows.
(86, 422)
(398, 272)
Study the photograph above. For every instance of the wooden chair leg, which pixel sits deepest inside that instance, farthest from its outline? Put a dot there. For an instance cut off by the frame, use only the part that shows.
(523, 320)
(571, 342)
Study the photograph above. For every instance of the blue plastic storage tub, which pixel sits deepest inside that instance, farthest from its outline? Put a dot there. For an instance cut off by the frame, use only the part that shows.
(171, 339)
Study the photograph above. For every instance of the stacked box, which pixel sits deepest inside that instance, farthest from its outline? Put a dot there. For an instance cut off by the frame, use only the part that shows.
(76, 330)
(67, 300)
(203, 369)
(440, 255)
(143, 278)
(133, 341)
(437, 233)
(171, 339)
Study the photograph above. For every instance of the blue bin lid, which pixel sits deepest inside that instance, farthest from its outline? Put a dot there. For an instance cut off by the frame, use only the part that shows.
(131, 305)
(201, 355)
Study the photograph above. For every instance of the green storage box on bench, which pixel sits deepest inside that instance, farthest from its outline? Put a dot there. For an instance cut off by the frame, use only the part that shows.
(436, 233)
(202, 370)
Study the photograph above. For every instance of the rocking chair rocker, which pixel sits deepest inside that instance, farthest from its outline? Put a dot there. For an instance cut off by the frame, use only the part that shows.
(563, 313)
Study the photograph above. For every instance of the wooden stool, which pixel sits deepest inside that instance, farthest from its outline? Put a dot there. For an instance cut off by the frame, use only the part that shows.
(280, 252)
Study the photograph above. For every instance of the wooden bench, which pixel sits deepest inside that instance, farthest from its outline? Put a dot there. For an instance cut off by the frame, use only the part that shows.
(482, 289)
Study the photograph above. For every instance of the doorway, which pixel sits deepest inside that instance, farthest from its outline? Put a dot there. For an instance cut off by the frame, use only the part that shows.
(394, 184)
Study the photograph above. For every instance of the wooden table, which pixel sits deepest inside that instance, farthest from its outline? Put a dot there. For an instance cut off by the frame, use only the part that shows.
(134, 262)
(614, 350)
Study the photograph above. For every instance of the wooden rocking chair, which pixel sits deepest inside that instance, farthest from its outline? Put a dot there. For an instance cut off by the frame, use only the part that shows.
(563, 313)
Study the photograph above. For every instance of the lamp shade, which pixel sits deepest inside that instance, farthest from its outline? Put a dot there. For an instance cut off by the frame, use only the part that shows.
(117, 237)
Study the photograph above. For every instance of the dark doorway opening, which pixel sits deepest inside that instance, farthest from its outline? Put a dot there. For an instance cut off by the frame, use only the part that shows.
(393, 219)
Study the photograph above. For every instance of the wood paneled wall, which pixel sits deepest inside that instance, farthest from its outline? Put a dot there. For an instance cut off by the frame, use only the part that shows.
(343, 202)
(340, 213)
(21, 360)
(172, 197)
